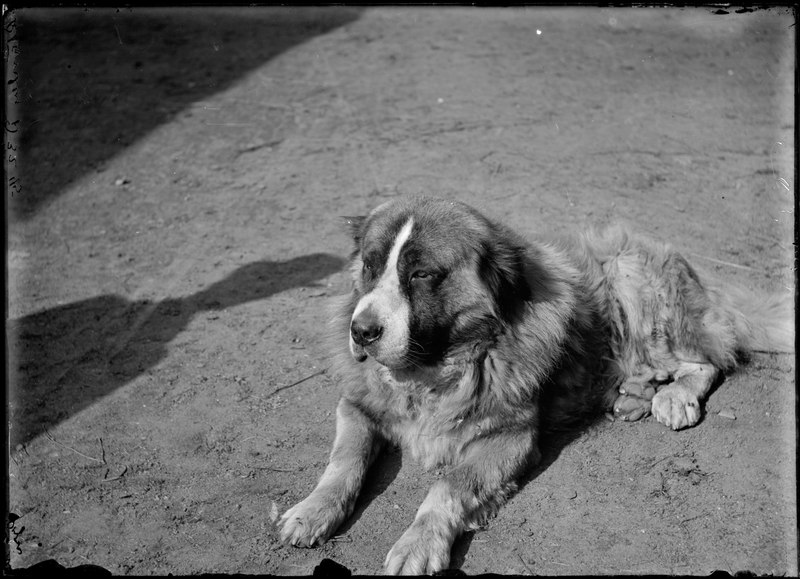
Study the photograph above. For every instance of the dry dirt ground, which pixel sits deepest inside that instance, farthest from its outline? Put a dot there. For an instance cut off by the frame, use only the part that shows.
(173, 241)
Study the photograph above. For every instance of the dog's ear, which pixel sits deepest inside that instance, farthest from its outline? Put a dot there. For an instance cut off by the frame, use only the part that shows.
(355, 226)
(502, 267)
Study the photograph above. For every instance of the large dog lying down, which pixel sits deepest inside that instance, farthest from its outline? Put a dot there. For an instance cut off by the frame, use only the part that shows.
(460, 340)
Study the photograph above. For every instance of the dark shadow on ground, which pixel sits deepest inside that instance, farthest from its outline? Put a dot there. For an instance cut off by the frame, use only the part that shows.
(89, 82)
(458, 554)
(65, 358)
(380, 475)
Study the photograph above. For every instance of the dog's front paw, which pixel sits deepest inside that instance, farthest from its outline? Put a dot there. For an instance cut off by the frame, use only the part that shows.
(310, 522)
(676, 407)
(423, 549)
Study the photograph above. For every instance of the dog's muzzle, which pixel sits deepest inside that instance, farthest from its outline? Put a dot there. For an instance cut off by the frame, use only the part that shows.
(365, 329)
(379, 329)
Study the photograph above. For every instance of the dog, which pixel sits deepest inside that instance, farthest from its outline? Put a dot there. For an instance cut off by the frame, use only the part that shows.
(461, 341)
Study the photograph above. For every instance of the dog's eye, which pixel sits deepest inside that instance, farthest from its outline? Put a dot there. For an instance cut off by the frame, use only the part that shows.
(421, 275)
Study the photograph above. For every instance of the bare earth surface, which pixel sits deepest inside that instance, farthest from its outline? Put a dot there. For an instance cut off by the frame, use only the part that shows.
(176, 241)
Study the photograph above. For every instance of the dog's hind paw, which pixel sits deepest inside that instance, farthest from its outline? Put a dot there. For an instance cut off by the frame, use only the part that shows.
(643, 385)
(676, 407)
(631, 408)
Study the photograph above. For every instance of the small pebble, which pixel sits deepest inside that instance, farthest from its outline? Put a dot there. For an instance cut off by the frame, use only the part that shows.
(570, 494)
(727, 414)
(273, 512)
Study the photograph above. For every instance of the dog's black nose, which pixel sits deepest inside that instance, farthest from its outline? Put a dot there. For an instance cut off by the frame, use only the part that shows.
(365, 329)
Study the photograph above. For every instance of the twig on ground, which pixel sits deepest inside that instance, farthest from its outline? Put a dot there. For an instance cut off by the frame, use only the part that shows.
(113, 478)
(273, 469)
(296, 383)
(721, 262)
(50, 436)
(524, 564)
(652, 464)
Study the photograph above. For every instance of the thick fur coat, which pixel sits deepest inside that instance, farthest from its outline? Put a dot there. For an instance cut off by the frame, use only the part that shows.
(461, 341)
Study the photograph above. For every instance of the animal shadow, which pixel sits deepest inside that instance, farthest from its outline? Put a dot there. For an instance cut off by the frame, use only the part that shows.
(65, 358)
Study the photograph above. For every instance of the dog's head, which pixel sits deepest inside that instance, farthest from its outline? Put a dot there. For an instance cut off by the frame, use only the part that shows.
(430, 275)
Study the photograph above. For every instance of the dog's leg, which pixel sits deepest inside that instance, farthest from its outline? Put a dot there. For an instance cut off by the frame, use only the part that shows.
(677, 404)
(480, 482)
(314, 519)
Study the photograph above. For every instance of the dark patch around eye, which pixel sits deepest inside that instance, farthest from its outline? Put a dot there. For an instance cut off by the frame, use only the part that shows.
(367, 271)
(372, 263)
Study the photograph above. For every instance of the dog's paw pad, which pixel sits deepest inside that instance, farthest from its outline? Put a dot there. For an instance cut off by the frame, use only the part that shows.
(631, 408)
(676, 407)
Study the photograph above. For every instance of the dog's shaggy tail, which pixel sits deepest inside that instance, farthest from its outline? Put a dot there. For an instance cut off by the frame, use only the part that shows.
(762, 323)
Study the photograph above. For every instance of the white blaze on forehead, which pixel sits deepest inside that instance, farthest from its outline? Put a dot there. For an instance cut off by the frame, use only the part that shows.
(388, 304)
(390, 275)
(389, 283)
